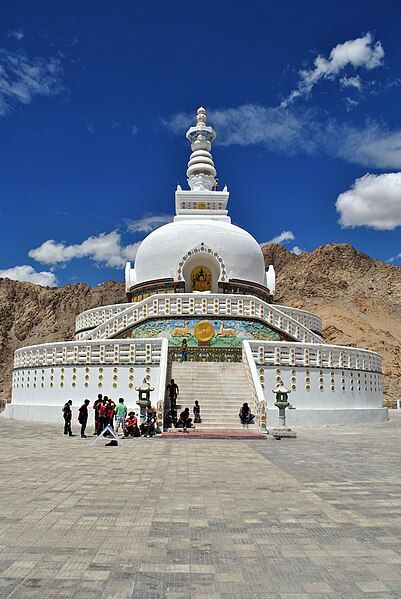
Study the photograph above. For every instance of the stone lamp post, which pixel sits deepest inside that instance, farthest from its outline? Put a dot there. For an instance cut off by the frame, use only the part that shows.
(143, 397)
(282, 403)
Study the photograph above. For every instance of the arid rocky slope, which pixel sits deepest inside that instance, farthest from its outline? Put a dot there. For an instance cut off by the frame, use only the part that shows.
(359, 300)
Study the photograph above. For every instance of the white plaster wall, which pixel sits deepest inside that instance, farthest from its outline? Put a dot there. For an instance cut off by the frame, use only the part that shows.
(161, 251)
(323, 388)
(40, 393)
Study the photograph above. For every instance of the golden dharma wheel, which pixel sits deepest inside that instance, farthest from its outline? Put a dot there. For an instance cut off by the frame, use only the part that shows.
(204, 331)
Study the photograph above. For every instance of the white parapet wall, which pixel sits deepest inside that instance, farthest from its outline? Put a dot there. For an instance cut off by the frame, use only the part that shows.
(329, 384)
(46, 376)
(94, 317)
(201, 305)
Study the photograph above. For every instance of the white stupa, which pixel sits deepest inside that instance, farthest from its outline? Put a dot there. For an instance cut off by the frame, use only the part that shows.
(202, 279)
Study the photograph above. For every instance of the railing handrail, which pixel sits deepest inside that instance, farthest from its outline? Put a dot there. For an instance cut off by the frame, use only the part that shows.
(311, 315)
(136, 341)
(199, 297)
(161, 392)
(126, 305)
(247, 354)
(324, 346)
(100, 308)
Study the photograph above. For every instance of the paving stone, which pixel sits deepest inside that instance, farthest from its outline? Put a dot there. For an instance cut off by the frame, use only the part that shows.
(311, 517)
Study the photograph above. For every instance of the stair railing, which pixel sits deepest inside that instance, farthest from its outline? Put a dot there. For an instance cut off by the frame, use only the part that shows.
(256, 387)
(162, 382)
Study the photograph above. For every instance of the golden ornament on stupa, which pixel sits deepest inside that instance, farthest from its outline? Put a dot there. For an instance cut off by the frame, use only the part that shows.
(204, 331)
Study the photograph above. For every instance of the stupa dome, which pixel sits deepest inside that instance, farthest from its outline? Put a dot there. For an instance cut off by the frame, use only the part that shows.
(229, 251)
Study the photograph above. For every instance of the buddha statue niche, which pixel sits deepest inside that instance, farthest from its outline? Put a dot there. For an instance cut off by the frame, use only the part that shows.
(201, 279)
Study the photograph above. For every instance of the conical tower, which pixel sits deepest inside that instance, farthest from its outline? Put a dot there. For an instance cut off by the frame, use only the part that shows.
(202, 199)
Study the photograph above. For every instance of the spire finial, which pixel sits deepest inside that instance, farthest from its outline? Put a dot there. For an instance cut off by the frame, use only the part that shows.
(201, 116)
(201, 172)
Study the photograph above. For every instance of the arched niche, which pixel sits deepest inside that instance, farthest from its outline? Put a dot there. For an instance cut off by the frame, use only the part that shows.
(201, 269)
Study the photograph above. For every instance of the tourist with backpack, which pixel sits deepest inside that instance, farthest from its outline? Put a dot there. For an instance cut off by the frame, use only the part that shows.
(67, 415)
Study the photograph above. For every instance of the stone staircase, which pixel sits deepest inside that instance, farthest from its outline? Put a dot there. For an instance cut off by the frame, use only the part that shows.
(220, 387)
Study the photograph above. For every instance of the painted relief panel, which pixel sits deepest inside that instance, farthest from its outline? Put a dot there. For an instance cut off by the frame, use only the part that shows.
(205, 333)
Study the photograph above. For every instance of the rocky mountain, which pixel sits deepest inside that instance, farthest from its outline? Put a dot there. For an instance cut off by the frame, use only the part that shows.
(359, 300)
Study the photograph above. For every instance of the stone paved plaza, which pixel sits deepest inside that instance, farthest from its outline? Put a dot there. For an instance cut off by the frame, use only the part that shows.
(313, 517)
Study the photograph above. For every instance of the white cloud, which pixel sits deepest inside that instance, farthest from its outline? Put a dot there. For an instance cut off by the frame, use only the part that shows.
(373, 201)
(276, 128)
(351, 82)
(104, 249)
(134, 130)
(21, 78)
(360, 52)
(297, 250)
(17, 34)
(148, 223)
(293, 131)
(372, 146)
(394, 258)
(350, 103)
(283, 237)
(28, 274)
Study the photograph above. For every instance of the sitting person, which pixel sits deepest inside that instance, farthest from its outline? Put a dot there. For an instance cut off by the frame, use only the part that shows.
(185, 421)
(245, 414)
(171, 419)
(196, 410)
(148, 428)
(131, 426)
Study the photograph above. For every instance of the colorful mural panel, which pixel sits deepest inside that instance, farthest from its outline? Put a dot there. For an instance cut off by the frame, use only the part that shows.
(204, 332)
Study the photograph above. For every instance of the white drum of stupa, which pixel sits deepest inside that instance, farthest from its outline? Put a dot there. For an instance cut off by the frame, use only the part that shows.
(202, 279)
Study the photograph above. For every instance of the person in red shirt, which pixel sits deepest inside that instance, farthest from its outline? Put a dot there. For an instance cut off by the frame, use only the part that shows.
(102, 411)
(110, 411)
(131, 426)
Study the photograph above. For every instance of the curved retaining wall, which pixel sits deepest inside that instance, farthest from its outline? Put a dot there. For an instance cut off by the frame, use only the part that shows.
(329, 384)
(46, 376)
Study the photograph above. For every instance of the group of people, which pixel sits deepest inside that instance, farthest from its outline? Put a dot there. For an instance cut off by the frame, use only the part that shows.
(185, 421)
(108, 413)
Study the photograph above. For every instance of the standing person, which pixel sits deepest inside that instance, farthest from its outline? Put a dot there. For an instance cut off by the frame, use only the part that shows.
(184, 350)
(67, 415)
(196, 410)
(173, 393)
(110, 412)
(96, 406)
(103, 414)
(83, 417)
(121, 414)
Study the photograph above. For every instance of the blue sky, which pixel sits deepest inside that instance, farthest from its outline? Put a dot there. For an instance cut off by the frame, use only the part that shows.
(95, 98)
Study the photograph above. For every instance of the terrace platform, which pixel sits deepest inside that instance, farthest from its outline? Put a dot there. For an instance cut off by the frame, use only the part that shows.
(207, 519)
